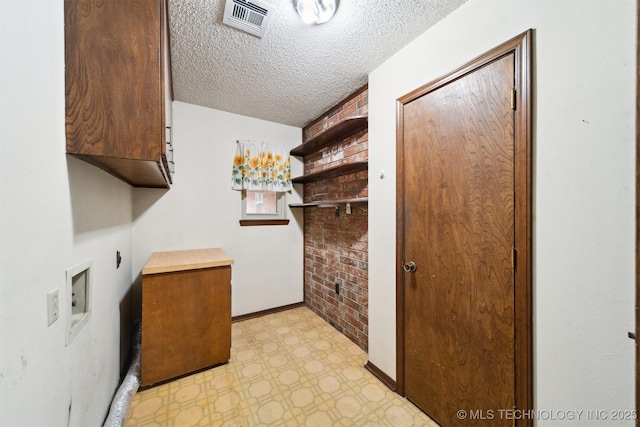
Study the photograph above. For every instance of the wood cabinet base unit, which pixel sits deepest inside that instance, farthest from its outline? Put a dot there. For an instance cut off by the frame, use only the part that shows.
(186, 313)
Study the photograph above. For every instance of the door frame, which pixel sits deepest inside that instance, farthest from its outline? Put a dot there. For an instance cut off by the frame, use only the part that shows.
(521, 46)
(637, 249)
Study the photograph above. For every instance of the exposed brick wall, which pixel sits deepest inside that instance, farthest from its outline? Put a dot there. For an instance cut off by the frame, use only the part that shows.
(354, 105)
(336, 248)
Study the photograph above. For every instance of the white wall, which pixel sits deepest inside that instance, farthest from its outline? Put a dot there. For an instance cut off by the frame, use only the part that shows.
(202, 211)
(584, 106)
(56, 212)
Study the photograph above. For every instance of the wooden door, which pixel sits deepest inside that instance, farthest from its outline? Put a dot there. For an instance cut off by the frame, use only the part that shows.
(458, 245)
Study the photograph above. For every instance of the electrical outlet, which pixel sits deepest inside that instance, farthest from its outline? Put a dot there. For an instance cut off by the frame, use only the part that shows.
(53, 307)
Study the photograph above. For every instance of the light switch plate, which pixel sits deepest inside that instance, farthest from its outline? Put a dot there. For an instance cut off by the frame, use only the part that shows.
(53, 307)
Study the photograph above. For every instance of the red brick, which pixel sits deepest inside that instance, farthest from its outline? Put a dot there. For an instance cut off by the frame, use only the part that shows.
(336, 248)
(362, 101)
(348, 110)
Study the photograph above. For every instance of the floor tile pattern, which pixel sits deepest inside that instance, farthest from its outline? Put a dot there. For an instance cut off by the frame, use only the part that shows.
(286, 369)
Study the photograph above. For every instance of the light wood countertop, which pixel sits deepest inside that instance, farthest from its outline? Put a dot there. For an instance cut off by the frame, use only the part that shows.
(166, 262)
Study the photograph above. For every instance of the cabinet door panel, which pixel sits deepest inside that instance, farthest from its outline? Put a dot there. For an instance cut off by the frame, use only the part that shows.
(116, 77)
(186, 322)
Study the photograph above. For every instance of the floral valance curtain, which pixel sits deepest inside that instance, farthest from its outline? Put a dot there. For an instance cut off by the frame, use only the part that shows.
(259, 166)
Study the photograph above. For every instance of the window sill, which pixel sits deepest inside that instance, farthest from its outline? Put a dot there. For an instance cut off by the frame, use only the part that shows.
(251, 222)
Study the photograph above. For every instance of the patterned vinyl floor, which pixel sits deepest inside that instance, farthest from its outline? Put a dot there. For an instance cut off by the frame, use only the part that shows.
(286, 369)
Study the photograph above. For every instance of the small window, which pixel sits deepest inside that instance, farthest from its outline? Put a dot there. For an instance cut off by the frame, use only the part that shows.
(263, 208)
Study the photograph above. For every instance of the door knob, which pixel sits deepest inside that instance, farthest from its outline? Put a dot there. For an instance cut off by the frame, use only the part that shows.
(409, 267)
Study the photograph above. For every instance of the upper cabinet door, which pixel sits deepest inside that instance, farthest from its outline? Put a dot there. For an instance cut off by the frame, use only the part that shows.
(117, 86)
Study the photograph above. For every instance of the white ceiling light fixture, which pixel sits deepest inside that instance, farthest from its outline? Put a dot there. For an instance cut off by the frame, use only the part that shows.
(315, 11)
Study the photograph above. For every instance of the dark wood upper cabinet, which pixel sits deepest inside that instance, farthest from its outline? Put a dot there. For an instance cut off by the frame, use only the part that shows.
(118, 88)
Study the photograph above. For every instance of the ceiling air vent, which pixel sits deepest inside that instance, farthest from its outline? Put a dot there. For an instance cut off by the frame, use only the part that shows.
(249, 16)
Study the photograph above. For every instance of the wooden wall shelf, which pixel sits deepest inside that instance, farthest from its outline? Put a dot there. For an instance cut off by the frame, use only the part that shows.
(340, 130)
(330, 203)
(332, 172)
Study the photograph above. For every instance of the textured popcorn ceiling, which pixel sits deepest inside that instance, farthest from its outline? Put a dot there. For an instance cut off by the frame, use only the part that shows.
(295, 72)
